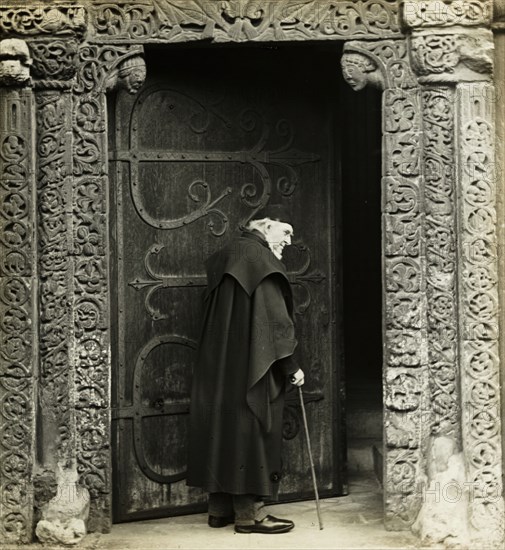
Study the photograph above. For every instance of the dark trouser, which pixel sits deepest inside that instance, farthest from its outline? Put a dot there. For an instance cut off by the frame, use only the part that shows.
(247, 508)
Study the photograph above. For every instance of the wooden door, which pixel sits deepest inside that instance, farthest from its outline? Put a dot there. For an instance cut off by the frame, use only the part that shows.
(212, 134)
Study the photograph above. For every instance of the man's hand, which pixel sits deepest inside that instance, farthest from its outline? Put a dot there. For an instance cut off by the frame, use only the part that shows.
(298, 378)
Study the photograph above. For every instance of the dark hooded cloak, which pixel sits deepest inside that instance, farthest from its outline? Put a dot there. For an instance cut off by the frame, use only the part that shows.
(243, 359)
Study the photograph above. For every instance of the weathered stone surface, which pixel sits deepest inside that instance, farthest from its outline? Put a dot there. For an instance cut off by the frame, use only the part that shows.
(179, 21)
(386, 65)
(129, 75)
(421, 256)
(383, 64)
(64, 516)
(441, 276)
(100, 69)
(478, 305)
(55, 532)
(15, 62)
(451, 55)
(440, 247)
(359, 70)
(444, 513)
(17, 302)
(21, 18)
(54, 62)
(446, 13)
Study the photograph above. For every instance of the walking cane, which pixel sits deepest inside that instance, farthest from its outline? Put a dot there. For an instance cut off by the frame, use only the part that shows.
(307, 440)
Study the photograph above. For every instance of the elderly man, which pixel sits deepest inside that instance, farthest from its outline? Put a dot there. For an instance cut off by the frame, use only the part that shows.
(243, 364)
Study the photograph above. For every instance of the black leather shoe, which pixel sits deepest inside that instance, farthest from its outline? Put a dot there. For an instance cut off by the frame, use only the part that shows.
(268, 525)
(219, 521)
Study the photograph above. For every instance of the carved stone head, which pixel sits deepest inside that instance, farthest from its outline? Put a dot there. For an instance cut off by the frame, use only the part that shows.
(360, 70)
(131, 74)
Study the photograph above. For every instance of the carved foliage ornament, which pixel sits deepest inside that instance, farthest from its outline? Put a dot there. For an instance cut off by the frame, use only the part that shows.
(53, 125)
(100, 69)
(54, 61)
(479, 304)
(440, 222)
(242, 20)
(405, 340)
(386, 65)
(452, 57)
(446, 13)
(39, 19)
(383, 64)
(238, 21)
(16, 307)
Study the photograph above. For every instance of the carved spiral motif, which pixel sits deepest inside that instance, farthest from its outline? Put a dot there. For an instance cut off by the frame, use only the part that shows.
(16, 303)
(180, 21)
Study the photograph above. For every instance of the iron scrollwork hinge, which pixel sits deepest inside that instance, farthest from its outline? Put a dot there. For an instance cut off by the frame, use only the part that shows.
(258, 156)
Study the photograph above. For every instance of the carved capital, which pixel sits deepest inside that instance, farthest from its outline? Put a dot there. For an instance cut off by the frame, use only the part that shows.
(451, 56)
(383, 64)
(103, 68)
(54, 63)
(15, 62)
(36, 19)
(446, 13)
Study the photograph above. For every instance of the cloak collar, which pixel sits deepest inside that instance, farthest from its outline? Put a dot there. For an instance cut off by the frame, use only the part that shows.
(248, 259)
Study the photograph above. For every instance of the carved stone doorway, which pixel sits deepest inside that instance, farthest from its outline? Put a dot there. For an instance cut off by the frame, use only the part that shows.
(441, 351)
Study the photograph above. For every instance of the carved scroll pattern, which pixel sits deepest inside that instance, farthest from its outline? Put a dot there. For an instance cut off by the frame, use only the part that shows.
(91, 322)
(438, 13)
(37, 19)
(17, 309)
(90, 354)
(54, 62)
(391, 59)
(53, 196)
(479, 310)
(241, 20)
(96, 64)
(438, 162)
(405, 371)
(451, 57)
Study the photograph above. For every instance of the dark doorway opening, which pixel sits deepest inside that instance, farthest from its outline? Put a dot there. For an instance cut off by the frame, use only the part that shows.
(362, 273)
(258, 116)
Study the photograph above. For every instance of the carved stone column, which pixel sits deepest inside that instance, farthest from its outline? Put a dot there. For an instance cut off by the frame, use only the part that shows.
(18, 284)
(405, 371)
(478, 292)
(442, 454)
(499, 79)
(464, 461)
(54, 171)
(99, 69)
(60, 522)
